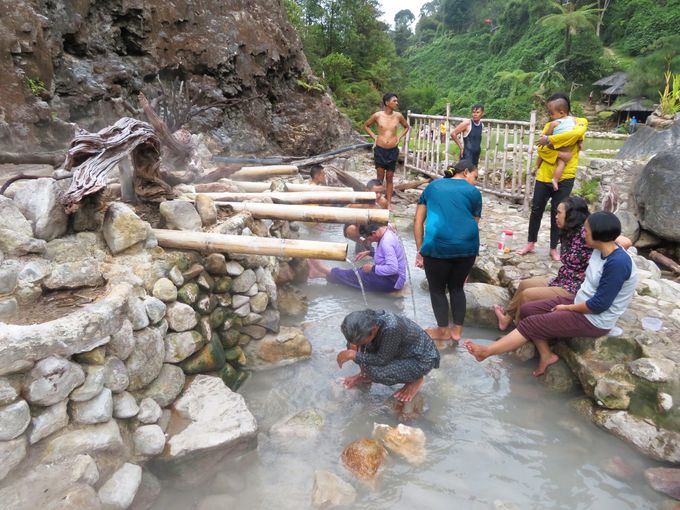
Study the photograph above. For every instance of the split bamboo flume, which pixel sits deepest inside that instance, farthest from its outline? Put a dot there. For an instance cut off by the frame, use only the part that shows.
(254, 187)
(310, 213)
(298, 197)
(222, 243)
(263, 172)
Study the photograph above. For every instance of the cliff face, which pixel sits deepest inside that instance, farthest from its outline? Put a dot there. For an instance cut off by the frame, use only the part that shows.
(85, 61)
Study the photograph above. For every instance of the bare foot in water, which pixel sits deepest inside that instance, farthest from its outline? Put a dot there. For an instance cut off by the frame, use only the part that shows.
(504, 319)
(456, 333)
(314, 271)
(355, 380)
(542, 366)
(554, 255)
(529, 248)
(478, 351)
(437, 333)
(409, 390)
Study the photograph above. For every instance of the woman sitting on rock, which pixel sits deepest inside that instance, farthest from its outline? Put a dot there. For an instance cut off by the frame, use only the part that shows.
(611, 277)
(390, 349)
(574, 254)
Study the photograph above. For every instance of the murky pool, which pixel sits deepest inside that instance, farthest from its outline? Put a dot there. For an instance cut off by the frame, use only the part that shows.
(496, 439)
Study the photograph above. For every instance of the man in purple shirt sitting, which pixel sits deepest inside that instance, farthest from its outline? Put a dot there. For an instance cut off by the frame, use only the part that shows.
(387, 274)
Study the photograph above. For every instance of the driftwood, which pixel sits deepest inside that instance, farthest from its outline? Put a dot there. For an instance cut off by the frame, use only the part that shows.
(180, 149)
(410, 185)
(21, 177)
(298, 197)
(222, 243)
(29, 158)
(92, 155)
(668, 262)
(309, 213)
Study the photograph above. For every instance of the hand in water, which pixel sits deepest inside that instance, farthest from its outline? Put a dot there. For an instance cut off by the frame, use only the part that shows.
(361, 255)
(419, 261)
(345, 356)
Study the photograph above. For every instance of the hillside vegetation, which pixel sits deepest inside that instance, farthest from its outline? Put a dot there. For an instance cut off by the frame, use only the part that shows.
(509, 55)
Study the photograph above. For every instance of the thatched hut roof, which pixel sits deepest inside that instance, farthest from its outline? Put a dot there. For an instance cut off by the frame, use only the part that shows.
(639, 104)
(614, 83)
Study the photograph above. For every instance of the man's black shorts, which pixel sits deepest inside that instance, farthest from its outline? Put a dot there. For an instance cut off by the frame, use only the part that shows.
(386, 158)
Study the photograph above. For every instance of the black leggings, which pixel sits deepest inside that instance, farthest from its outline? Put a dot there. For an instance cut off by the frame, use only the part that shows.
(448, 274)
(543, 191)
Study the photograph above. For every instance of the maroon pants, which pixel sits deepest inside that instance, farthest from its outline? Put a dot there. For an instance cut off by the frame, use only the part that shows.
(539, 322)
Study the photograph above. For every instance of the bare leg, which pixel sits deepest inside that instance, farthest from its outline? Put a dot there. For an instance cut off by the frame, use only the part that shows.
(409, 390)
(504, 319)
(509, 342)
(317, 269)
(529, 248)
(547, 357)
(456, 332)
(439, 333)
(389, 186)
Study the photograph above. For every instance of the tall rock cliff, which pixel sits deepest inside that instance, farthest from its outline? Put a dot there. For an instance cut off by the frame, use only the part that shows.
(238, 63)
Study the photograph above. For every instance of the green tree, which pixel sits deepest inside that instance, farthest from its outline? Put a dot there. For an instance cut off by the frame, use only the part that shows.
(514, 79)
(570, 20)
(550, 77)
(336, 68)
(402, 34)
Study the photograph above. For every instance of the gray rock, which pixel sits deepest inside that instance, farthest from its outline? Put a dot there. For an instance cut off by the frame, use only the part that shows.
(330, 491)
(51, 420)
(123, 228)
(17, 244)
(243, 311)
(297, 427)
(145, 363)
(14, 419)
(630, 227)
(291, 301)
(148, 492)
(165, 290)
(205, 281)
(38, 201)
(149, 411)
(613, 391)
(655, 370)
(205, 206)
(118, 492)
(664, 480)
(116, 376)
(155, 309)
(254, 331)
(252, 291)
(234, 268)
(259, 302)
(148, 440)
(97, 410)
(647, 240)
(137, 313)
(481, 299)
(175, 276)
(206, 304)
(188, 293)
(665, 402)
(122, 342)
(35, 271)
(8, 278)
(11, 454)
(72, 275)
(216, 264)
(179, 346)
(244, 282)
(180, 215)
(124, 406)
(217, 502)
(647, 141)
(8, 308)
(8, 391)
(271, 320)
(165, 388)
(90, 439)
(288, 346)
(93, 385)
(77, 497)
(238, 300)
(181, 317)
(12, 218)
(52, 379)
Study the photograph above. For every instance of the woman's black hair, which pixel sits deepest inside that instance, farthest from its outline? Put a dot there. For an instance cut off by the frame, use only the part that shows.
(460, 167)
(575, 214)
(560, 96)
(604, 226)
(367, 229)
(357, 325)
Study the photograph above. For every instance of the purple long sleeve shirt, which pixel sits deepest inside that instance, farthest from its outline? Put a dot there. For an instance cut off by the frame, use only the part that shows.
(390, 258)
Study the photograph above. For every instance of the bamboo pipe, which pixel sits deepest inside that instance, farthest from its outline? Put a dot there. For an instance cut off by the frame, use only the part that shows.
(310, 213)
(222, 243)
(254, 187)
(298, 197)
(263, 172)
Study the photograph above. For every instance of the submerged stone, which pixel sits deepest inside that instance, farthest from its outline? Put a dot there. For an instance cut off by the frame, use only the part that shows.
(330, 491)
(409, 442)
(363, 458)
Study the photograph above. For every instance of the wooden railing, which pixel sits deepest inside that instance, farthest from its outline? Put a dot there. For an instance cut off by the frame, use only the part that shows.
(505, 168)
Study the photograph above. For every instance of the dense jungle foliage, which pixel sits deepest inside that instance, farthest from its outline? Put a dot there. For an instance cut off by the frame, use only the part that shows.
(507, 54)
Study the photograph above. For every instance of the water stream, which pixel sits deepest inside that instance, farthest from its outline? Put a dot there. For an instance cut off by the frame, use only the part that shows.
(496, 439)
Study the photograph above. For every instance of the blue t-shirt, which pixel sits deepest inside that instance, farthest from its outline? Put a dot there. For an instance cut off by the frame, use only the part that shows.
(450, 227)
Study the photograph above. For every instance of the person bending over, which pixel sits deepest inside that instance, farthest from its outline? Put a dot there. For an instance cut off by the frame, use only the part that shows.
(609, 286)
(387, 274)
(390, 349)
(351, 230)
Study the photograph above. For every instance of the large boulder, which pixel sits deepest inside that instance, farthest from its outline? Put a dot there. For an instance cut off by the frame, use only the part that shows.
(123, 228)
(11, 218)
(38, 200)
(647, 142)
(656, 193)
(180, 215)
(481, 298)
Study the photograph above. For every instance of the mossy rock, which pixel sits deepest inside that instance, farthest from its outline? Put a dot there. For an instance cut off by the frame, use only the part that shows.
(210, 358)
(236, 356)
(218, 317)
(223, 300)
(205, 281)
(230, 338)
(206, 304)
(233, 377)
(244, 340)
(182, 260)
(94, 357)
(222, 284)
(188, 293)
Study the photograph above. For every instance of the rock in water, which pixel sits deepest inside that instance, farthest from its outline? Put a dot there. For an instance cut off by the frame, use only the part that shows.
(330, 491)
(664, 480)
(409, 442)
(363, 458)
(302, 425)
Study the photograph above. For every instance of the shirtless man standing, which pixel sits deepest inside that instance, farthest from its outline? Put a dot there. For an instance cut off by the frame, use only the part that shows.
(386, 149)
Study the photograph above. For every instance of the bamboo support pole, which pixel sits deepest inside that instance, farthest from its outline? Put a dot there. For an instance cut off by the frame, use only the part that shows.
(505, 157)
(515, 157)
(310, 213)
(255, 187)
(447, 136)
(495, 151)
(298, 197)
(407, 142)
(263, 172)
(489, 133)
(530, 153)
(222, 243)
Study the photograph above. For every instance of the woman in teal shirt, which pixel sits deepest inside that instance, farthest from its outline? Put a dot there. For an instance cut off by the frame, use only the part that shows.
(447, 238)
